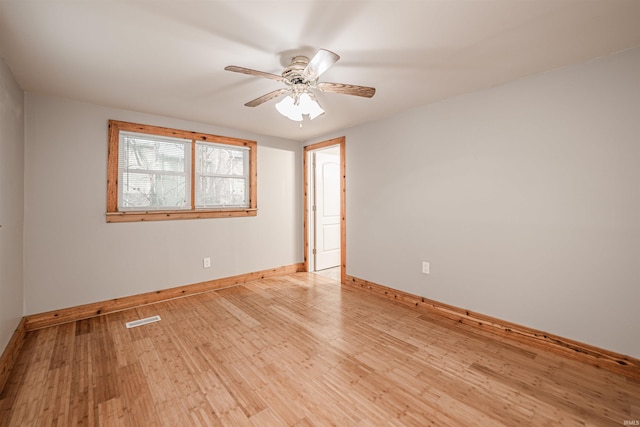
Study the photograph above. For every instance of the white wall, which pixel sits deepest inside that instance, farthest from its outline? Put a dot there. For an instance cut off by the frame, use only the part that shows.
(525, 198)
(72, 256)
(11, 204)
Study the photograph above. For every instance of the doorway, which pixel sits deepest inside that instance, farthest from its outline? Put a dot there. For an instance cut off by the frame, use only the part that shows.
(324, 201)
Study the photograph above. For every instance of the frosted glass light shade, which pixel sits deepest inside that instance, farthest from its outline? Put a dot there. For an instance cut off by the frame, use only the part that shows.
(287, 108)
(306, 105)
(310, 106)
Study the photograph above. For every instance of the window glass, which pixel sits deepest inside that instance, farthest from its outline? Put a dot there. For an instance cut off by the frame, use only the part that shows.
(221, 176)
(154, 172)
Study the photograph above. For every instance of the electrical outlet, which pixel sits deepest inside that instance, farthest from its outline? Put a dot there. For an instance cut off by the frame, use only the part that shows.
(426, 267)
(206, 262)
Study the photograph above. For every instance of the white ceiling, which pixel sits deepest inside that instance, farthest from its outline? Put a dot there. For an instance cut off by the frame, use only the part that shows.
(168, 57)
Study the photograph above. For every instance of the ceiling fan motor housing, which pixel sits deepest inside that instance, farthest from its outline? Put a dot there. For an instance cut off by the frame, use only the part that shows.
(293, 74)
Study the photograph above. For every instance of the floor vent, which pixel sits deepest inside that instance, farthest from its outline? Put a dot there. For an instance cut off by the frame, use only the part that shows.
(143, 321)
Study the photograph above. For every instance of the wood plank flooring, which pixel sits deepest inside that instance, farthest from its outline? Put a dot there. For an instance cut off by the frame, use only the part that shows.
(299, 350)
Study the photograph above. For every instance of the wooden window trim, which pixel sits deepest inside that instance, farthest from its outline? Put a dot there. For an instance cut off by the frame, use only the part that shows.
(113, 215)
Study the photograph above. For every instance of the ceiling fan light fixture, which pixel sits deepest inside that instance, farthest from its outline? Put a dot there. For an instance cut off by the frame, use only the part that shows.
(309, 105)
(305, 105)
(287, 108)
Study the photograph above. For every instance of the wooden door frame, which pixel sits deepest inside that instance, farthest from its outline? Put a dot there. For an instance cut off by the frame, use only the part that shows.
(340, 142)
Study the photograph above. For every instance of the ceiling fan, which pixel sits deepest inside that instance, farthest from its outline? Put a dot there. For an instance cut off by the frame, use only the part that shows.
(300, 79)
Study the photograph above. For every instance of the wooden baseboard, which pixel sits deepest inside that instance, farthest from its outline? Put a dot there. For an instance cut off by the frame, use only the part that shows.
(10, 353)
(71, 314)
(605, 359)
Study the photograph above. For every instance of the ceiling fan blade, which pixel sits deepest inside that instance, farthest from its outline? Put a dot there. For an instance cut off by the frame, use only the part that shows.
(251, 72)
(321, 62)
(268, 97)
(345, 89)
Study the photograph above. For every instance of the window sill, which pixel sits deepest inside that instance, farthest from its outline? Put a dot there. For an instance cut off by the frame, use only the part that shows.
(174, 215)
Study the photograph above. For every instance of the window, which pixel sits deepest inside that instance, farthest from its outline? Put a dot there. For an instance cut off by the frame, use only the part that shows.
(154, 172)
(157, 173)
(222, 177)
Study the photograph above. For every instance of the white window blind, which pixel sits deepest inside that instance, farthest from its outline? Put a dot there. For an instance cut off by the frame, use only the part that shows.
(221, 176)
(154, 172)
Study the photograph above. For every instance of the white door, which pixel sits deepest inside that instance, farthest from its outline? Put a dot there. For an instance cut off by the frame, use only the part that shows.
(327, 208)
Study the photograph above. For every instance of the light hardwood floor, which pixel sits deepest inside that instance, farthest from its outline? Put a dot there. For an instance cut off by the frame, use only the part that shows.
(331, 273)
(299, 350)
